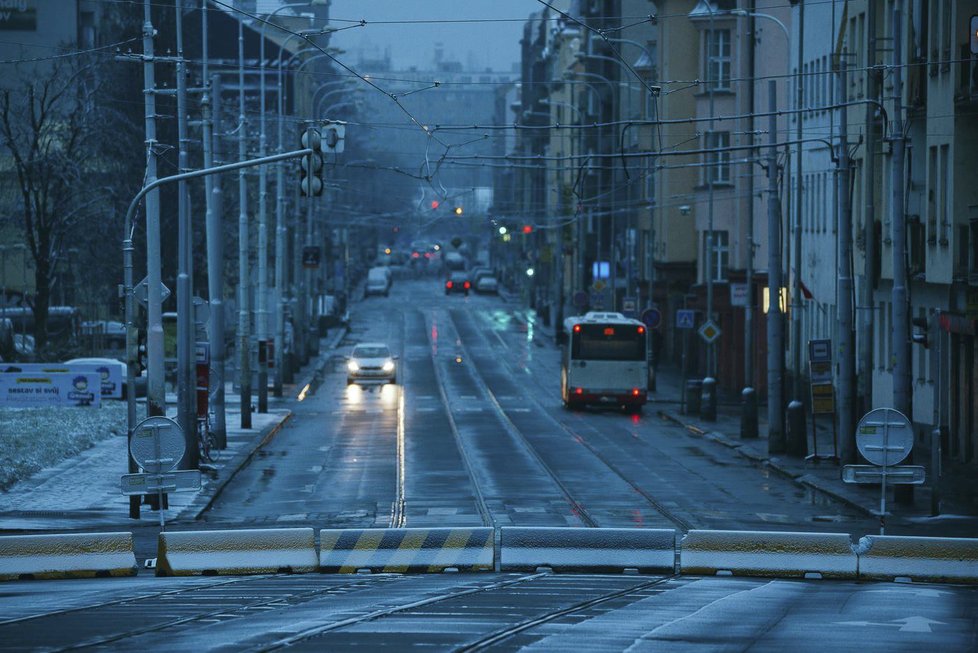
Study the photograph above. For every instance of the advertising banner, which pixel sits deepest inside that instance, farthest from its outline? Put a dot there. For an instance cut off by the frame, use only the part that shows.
(111, 375)
(38, 390)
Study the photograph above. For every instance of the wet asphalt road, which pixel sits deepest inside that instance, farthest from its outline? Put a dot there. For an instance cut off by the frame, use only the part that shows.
(486, 441)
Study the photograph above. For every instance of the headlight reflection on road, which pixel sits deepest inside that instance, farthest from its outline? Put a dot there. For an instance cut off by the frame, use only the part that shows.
(388, 394)
(354, 394)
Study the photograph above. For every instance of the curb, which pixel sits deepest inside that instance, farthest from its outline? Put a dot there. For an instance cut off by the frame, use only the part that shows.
(801, 479)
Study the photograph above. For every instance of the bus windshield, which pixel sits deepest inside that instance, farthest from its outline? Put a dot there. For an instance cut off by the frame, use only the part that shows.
(603, 342)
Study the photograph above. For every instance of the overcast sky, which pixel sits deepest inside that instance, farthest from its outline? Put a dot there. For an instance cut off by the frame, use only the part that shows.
(494, 45)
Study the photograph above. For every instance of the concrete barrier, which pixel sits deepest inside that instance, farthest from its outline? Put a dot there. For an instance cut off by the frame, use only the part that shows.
(935, 559)
(760, 553)
(405, 550)
(24, 557)
(588, 549)
(253, 551)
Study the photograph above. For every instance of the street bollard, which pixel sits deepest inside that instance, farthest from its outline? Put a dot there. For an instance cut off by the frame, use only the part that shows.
(693, 390)
(797, 436)
(748, 415)
(708, 404)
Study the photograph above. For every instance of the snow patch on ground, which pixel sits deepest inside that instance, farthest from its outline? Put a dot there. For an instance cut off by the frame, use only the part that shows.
(32, 439)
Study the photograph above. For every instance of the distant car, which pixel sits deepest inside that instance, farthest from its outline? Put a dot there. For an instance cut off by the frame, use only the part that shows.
(371, 362)
(457, 282)
(487, 283)
(378, 281)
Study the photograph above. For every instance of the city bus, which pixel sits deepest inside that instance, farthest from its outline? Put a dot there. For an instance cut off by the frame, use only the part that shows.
(604, 362)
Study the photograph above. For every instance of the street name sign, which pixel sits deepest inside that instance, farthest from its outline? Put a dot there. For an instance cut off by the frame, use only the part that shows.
(184, 480)
(871, 474)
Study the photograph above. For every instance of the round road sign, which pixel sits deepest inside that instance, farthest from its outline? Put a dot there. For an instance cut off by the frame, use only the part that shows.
(652, 318)
(884, 436)
(580, 299)
(157, 444)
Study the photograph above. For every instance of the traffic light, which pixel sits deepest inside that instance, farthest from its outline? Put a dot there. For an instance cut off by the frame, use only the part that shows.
(311, 180)
(458, 210)
(434, 204)
(527, 229)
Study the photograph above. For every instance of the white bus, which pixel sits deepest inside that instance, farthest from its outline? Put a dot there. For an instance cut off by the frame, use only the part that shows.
(604, 362)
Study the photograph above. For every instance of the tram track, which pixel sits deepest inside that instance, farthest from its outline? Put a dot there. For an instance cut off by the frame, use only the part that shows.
(485, 362)
(577, 509)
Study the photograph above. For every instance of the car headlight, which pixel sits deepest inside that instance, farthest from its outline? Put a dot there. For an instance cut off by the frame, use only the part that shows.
(352, 366)
(388, 366)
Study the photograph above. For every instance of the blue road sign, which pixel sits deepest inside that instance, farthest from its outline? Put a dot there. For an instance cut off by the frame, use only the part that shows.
(685, 319)
(652, 318)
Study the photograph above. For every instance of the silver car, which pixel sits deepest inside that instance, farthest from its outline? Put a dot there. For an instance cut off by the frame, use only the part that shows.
(371, 362)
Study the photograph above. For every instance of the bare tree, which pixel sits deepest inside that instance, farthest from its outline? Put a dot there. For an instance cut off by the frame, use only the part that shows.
(60, 140)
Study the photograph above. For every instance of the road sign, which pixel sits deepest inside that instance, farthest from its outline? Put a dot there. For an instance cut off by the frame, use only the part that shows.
(141, 292)
(157, 444)
(685, 319)
(629, 306)
(202, 353)
(599, 299)
(709, 332)
(580, 299)
(310, 257)
(598, 285)
(738, 294)
(871, 474)
(186, 480)
(884, 437)
(652, 318)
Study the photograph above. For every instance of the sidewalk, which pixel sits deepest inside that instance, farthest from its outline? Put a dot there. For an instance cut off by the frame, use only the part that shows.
(84, 491)
(959, 498)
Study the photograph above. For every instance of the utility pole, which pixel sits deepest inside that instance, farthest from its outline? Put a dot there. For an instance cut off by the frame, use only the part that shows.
(186, 412)
(775, 326)
(864, 379)
(244, 268)
(155, 392)
(710, 174)
(281, 234)
(799, 190)
(844, 288)
(215, 241)
(902, 392)
(262, 316)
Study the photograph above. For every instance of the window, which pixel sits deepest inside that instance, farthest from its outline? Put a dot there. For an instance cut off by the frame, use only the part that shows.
(717, 58)
(944, 206)
(932, 195)
(605, 342)
(720, 261)
(717, 163)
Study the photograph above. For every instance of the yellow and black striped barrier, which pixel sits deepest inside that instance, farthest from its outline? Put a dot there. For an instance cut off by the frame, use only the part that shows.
(405, 550)
(74, 555)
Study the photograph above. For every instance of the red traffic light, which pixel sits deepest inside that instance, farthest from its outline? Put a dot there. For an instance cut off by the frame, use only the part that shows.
(435, 204)
(527, 229)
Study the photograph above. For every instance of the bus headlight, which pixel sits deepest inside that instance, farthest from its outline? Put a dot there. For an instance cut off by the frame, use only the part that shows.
(388, 366)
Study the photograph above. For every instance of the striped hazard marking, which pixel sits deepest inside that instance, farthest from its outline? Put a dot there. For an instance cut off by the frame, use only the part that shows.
(405, 550)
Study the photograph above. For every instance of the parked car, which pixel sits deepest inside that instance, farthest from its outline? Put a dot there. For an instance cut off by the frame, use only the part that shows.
(457, 282)
(371, 362)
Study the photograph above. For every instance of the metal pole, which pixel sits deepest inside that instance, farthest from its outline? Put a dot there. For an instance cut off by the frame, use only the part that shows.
(244, 268)
(155, 392)
(710, 172)
(796, 304)
(902, 390)
(186, 413)
(775, 327)
(215, 266)
(281, 234)
(262, 315)
(864, 380)
(845, 337)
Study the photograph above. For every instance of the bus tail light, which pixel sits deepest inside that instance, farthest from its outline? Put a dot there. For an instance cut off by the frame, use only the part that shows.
(635, 392)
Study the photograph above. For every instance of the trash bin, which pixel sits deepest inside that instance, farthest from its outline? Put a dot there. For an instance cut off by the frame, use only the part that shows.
(694, 389)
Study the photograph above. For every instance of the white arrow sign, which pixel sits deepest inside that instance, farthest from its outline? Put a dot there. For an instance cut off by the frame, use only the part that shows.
(915, 624)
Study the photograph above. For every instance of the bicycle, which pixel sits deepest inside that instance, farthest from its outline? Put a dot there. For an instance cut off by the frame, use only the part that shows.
(206, 441)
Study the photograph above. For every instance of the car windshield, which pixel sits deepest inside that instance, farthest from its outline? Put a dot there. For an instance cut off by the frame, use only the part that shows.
(371, 351)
